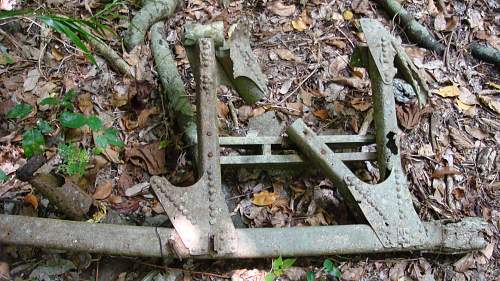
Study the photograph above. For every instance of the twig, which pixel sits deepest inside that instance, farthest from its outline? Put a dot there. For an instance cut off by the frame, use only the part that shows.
(234, 116)
(345, 35)
(298, 87)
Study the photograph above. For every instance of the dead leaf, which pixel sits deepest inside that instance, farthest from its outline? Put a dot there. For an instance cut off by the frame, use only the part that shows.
(463, 106)
(439, 22)
(31, 80)
(490, 102)
(103, 190)
(85, 103)
(244, 112)
(32, 200)
(476, 132)
(444, 171)
(348, 15)
(303, 22)
(144, 116)
(337, 64)
(150, 157)
(285, 54)
(7, 5)
(337, 43)
(360, 104)
(361, 7)
(264, 198)
(475, 19)
(321, 114)
(465, 263)
(57, 54)
(409, 116)
(353, 82)
(280, 9)
(460, 139)
(222, 109)
(449, 91)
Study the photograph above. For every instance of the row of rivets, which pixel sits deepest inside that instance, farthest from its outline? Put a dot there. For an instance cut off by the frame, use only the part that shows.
(212, 192)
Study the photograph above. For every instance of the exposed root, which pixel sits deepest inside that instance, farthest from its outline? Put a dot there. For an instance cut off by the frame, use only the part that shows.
(178, 103)
(114, 60)
(152, 12)
(415, 31)
(486, 53)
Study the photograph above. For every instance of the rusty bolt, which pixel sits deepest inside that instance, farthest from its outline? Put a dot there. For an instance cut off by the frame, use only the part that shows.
(323, 152)
(209, 133)
(210, 154)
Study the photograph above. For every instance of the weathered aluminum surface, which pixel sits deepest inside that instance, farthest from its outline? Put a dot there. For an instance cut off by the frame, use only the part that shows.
(199, 212)
(387, 206)
(445, 237)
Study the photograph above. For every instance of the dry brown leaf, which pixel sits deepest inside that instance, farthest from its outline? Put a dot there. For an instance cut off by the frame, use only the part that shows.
(244, 112)
(285, 54)
(57, 54)
(222, 109)
(460, 139)
(476, 132)
(321, 114)
(439, 22)
(303, 22)
(444, 171)
(32, 200)
(353, 82)
(150, 157)
(280, 9)
(409, 116)
(490, 102)
(360, 104)
(449, 91)
(295, 107)
(85, 103)
(258, 111)
(264, 198)
(103, 190)
(463, 106)
(361, 7)
(337, 43)
(144, 116)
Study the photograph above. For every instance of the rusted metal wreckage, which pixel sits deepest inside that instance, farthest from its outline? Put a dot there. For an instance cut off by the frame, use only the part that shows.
(202, 224)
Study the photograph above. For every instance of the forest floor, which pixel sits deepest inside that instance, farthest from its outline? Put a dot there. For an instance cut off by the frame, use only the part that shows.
(449, 148)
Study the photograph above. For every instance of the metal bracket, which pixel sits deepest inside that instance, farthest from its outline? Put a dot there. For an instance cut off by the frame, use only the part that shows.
(199, 212)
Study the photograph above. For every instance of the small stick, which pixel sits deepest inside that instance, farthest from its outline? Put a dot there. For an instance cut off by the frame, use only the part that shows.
(234, 116)
(298, 87)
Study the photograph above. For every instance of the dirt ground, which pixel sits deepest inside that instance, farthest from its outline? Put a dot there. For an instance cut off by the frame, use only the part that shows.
(449, 147)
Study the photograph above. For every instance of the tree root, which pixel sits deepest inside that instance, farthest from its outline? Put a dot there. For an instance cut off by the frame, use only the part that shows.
(178, 103)
(114, 60)
(486, 53)
(417, 32)
(152, 12)
(194, 31)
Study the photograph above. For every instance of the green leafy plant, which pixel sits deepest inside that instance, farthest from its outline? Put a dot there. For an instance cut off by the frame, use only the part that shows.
(20, 111)
(77, 31)
(3, 176)
(74, 160)
(33, 139)
(331, 269)
(279, 266)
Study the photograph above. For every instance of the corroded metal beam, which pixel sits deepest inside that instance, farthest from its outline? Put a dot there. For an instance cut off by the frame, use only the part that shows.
(443, 237)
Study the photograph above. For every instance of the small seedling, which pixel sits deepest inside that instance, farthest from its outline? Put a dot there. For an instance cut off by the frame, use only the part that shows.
(20, 111)
(331, 269)
(74, 160)
(278, 268)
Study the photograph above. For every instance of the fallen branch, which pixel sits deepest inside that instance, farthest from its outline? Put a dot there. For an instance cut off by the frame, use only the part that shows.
(415, 31)
(178, 102)
(486, 53)
(152, 12)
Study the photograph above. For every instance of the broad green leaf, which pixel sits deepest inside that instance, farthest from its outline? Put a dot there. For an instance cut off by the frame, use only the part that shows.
(328, 265)
(94, 122)
(278, 263)
(3, 176)
(20, 111)
(70, 95)
(44, 127)
(72, 120)
(310, 276)
(269, 277)
(287, 263)
(108, 137)
(49, 101)
(33, 142)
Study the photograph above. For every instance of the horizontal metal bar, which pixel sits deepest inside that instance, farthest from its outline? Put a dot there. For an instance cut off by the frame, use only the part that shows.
(289, 159)
(252, 242)
(328, 139)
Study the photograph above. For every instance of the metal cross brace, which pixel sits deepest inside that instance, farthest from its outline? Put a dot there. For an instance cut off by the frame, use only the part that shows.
(201, 220)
